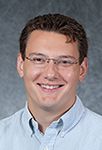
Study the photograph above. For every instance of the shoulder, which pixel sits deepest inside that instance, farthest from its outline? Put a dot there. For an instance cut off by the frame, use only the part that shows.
(13, 130)
(88, 116)
(9, 122)
(92, 122)
(93, 116)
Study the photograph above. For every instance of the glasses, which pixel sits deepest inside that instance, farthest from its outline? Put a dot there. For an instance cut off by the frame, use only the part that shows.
(60, 62)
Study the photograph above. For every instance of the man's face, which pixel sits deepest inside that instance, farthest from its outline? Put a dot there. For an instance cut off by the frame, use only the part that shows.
(50, 88)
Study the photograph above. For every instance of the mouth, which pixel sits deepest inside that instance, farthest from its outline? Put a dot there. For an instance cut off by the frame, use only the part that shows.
(50, 87)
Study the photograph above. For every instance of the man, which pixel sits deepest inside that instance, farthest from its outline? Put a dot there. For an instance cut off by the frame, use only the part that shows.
(52, 60)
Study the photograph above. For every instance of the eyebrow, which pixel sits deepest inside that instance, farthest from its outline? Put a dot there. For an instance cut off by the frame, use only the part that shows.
(41, 54)
(37, 54)
(66, 56)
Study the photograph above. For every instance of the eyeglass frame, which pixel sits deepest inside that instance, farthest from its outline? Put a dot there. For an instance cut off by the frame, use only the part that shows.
(47, 59)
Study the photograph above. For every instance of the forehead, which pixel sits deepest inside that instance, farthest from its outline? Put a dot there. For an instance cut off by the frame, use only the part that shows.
(50, 43)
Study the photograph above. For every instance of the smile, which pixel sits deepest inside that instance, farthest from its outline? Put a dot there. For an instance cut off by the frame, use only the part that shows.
(50, 87)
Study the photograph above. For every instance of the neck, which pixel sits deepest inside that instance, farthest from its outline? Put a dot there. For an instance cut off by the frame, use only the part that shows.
(45, 117)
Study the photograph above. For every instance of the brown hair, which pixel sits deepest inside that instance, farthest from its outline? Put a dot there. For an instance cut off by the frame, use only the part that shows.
(60, 24)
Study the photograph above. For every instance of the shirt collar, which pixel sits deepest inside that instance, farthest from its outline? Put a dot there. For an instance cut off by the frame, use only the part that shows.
(65, 123)
(73, 115)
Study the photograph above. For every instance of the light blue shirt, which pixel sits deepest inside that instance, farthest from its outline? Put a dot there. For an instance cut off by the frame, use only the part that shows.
(78, 129)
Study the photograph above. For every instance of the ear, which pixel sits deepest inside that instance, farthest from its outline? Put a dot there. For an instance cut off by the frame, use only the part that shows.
(83, 70)
(20, 65)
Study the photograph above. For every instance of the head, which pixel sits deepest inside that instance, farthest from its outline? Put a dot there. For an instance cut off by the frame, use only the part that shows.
(52, 86)
(59, 24)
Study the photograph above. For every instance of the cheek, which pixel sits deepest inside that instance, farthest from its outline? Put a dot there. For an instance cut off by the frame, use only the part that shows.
(71, 75)
(32, 73)
(68, 74)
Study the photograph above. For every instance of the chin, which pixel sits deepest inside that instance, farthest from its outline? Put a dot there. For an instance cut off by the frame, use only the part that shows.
(49, 103)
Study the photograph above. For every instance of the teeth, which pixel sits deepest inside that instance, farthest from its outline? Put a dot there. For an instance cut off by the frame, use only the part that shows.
(49, 87)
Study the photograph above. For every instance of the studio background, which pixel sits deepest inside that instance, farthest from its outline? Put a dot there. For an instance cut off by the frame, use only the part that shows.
(13, 16)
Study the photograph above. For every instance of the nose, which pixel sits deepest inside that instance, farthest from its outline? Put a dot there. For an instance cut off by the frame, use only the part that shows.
(50, 72)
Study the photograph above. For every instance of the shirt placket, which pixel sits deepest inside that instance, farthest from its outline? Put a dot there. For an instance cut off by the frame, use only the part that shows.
(49, 139)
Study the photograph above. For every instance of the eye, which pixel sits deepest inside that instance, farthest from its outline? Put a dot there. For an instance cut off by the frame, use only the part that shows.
(38, 60)
(66, 61)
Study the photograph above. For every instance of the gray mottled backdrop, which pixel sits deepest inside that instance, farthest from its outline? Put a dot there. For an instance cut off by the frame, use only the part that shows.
(13, 16)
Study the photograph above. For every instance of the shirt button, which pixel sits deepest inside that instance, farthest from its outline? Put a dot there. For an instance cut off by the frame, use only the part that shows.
(46, 148)
(31, 132)
(33, 123)
(62, 133)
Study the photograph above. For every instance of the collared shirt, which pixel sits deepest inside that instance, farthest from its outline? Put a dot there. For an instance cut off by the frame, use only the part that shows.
(77, 129)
